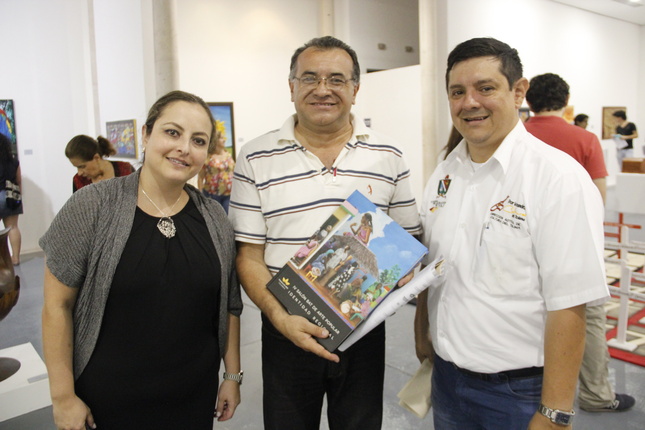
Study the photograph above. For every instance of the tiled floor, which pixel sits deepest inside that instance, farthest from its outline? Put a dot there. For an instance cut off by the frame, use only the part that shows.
(23, 325)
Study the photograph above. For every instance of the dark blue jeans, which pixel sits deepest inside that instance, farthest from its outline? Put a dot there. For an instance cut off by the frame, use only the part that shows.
(295, 383)
(464, 402)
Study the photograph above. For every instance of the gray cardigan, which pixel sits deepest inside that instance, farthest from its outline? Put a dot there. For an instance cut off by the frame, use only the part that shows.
(85, 241)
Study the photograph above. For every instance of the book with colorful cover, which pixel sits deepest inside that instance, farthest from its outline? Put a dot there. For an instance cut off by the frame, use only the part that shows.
(346, 268)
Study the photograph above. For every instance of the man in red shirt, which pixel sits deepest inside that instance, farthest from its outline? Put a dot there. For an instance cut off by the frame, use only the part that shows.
(547, 96)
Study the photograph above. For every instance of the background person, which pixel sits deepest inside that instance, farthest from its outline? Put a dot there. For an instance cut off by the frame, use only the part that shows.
(142, 300)
(507, 212)
(216, 176)
(626, 131)
(287, 183)
(581, 120)
(548, 95)
(10, 169)
(87, 155)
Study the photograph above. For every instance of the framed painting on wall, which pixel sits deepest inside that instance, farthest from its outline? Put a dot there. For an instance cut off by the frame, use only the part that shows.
(524, 113)
(123, 135)
(609, 121)
(568, 114)
(223, 114)
(8, 123)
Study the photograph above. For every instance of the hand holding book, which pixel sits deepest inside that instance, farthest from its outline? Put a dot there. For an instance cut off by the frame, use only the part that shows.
(349, 272)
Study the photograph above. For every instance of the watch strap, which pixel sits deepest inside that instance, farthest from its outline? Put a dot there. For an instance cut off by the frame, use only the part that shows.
(557, 416)
(237, 377)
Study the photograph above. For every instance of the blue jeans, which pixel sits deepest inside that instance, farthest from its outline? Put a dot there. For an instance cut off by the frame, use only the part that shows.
(464, 402)
(295, 383)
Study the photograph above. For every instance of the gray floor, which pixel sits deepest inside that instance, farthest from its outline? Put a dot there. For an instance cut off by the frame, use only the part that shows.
(23, 325)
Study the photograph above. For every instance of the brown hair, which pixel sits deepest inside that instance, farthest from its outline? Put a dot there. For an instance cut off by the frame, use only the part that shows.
(85, 147)
(179, 96)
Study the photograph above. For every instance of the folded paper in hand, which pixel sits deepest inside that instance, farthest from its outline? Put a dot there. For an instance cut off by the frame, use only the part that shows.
(415, 395)
(620, 143)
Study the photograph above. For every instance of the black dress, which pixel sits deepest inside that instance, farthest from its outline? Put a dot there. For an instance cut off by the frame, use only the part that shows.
(156, 361)
(8, 171)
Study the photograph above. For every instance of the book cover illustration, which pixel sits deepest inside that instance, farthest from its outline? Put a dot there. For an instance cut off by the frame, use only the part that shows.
(346, 268)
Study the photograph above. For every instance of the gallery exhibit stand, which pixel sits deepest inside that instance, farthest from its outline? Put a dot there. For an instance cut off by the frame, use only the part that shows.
(9, 293)
(28, 389)
(630, 200)
(24, 386)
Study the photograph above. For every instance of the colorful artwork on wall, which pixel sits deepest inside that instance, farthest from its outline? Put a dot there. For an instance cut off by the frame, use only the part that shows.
(8, 123)
(123, 135)
(223, 114)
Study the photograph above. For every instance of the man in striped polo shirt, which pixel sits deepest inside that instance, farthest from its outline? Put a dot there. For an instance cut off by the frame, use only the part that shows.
(286, 184)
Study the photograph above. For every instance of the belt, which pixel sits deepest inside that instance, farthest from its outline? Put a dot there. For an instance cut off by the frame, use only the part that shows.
(508, 374)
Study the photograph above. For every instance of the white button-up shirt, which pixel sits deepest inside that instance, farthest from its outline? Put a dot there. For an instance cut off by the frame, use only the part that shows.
(522, 234)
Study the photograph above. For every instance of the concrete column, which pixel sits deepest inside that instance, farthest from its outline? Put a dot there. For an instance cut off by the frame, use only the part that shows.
(326, 17)
(165, 46)
(93, 67)
(428, 45)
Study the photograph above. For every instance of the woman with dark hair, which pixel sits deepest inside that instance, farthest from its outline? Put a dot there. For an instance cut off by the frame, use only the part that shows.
(142, 300)
(10, 170)
(86, 154)
(453, 140)
(625, 135)
(581, 120)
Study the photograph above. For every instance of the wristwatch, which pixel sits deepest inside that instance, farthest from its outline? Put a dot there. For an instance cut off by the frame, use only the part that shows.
(237, 377)
(557, 416)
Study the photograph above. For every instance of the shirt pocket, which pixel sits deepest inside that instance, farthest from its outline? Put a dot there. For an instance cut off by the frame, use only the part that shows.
(503, 264)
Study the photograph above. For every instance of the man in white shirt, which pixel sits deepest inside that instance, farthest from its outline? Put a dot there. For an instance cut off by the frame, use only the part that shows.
(519, 224)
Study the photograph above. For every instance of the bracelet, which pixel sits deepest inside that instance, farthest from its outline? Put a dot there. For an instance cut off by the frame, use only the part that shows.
(237, 377)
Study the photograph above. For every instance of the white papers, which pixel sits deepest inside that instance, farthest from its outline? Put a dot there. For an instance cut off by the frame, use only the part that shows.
(415, 395)
(620, 143)
(395, 299)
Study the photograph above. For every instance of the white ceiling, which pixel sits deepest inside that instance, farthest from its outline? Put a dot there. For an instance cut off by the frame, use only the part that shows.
(610, 8)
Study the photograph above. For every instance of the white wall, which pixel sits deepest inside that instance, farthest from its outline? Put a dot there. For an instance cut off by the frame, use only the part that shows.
(372, 22)
(396, 113)
(240, 52)
(49, 75)
(120, 62)
(45, 71)
(599, 57)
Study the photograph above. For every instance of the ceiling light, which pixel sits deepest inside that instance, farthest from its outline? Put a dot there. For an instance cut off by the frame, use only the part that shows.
(634, 3)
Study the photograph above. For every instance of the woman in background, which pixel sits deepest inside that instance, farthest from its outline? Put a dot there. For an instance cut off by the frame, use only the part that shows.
(10, 169)
(141, 296)
(86, 154)
(216, 176)
(581, 120)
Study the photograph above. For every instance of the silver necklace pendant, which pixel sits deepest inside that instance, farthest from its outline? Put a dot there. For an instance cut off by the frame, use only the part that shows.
(167, 227)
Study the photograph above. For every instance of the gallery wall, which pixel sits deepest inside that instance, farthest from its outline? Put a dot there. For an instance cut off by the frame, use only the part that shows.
(63, 83)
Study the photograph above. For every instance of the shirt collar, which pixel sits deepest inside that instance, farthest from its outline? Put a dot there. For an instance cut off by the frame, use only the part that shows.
(287, 136)
(503, 153)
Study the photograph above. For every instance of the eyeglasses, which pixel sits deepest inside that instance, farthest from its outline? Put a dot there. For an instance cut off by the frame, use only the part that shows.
(331, 82)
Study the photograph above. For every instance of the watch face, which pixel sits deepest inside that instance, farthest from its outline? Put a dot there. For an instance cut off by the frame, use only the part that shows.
(562, 419)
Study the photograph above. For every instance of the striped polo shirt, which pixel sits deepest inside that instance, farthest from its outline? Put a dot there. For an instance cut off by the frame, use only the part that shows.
(282, 193)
